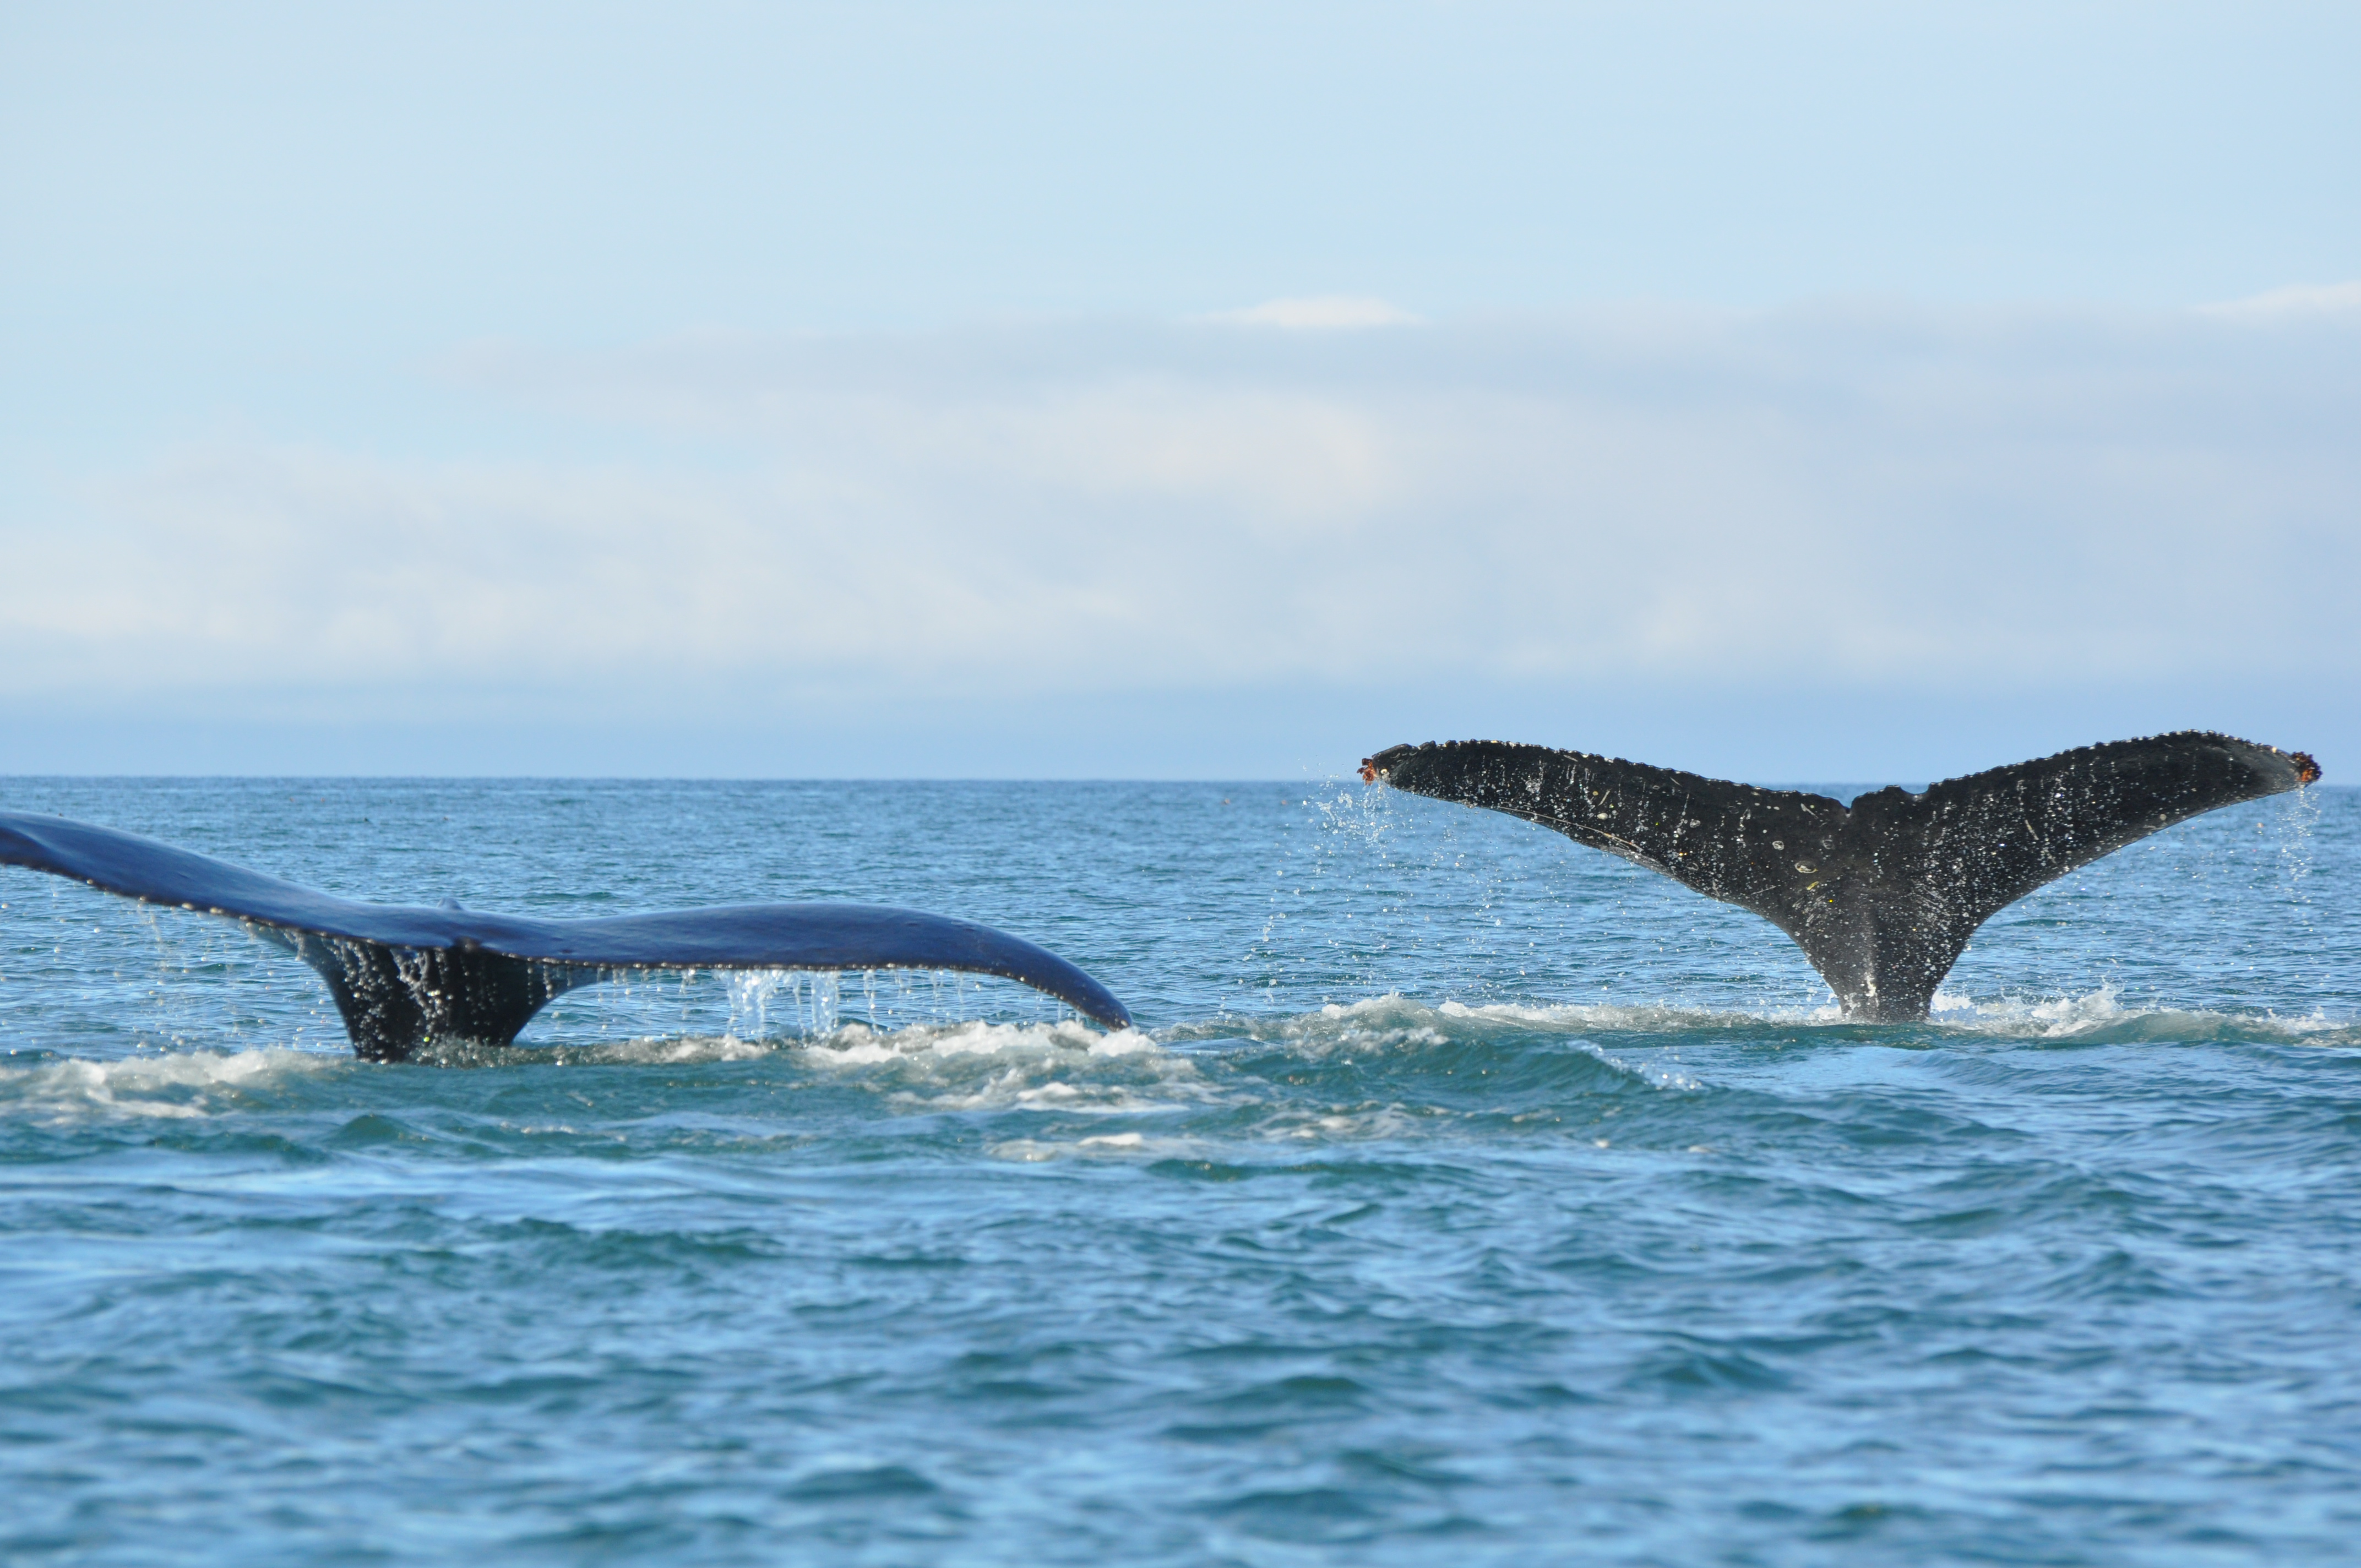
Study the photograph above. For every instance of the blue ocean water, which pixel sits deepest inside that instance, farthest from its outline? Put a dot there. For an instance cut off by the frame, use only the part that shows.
(1464, 1194)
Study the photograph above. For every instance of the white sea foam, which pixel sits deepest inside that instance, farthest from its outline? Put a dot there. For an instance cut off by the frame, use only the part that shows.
(976, 1066)
(664, 1051)
(856, 1045)
(170, 1084)
(2092, 1012)
(1392, 1018)
(1393, 1022)
(1128, 1146)
(1366, 1123)
(2046, 1018)
(1023, 1087)
(1641, 1018)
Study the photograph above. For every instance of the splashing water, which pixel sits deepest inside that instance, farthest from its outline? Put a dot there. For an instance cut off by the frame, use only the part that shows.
(1461, 1192)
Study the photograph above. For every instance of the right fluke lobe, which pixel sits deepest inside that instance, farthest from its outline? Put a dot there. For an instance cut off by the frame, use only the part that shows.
(1882, 895)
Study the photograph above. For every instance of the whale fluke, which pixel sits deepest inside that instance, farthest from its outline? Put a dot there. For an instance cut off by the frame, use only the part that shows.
(404, 977)
(1883, 894)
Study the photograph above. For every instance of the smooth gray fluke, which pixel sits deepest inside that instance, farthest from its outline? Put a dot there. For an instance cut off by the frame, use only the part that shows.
(405, 976)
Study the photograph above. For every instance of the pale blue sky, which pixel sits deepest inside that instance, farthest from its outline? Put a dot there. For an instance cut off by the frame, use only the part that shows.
(1787, 390)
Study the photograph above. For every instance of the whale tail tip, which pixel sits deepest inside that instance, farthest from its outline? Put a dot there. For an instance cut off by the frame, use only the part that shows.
(1880, 895)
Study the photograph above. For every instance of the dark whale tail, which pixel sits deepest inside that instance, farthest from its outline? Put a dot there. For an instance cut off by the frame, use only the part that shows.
(404, 977)
(1883, 894)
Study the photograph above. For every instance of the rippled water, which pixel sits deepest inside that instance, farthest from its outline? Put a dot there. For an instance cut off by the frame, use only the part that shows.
(1464, 1194)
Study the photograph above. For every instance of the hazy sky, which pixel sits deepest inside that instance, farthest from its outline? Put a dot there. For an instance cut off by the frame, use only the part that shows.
(1790, 391)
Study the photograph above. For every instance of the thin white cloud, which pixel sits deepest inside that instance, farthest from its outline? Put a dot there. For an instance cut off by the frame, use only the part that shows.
(1320, 312)
(2296, 302)
(1897, 498)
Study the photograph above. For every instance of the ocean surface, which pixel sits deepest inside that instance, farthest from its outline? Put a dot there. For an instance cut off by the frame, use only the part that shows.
(1463, 1195)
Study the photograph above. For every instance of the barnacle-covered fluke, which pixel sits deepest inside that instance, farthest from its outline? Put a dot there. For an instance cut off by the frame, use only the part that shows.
(1881, 894)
